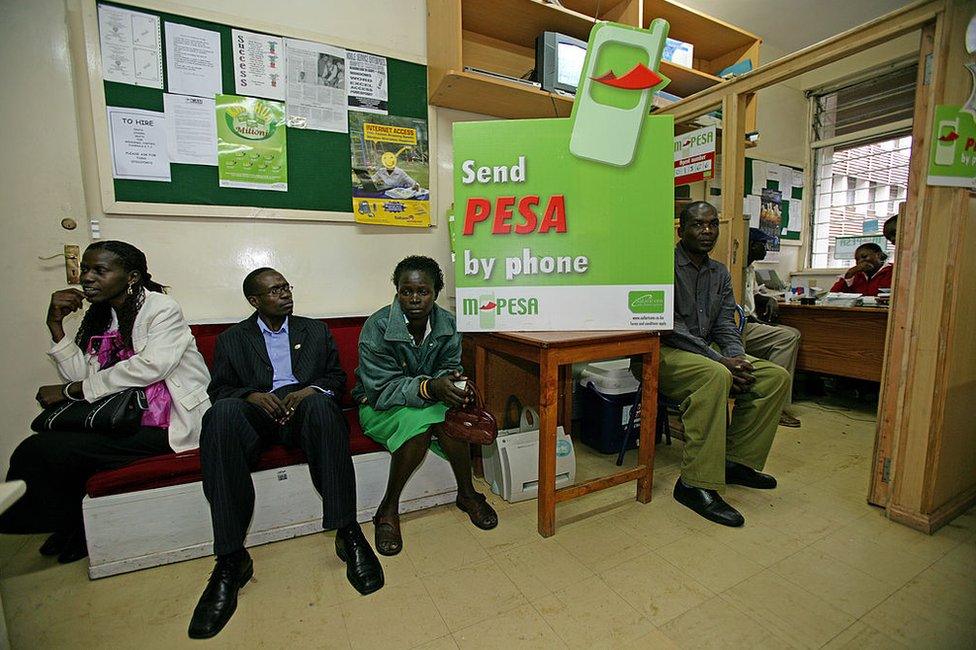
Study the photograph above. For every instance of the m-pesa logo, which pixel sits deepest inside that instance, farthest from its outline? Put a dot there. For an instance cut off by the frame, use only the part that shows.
(509, 306)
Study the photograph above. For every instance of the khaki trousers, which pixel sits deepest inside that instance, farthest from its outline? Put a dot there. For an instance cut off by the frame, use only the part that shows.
(702, 386)
(776, 343)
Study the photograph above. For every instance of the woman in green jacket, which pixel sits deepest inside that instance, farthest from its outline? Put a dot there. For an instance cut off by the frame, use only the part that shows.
(409, 361)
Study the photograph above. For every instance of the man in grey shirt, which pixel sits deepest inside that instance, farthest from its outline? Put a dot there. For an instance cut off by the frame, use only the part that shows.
(702, 364)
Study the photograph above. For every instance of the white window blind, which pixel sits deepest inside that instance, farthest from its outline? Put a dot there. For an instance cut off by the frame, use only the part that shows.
(861, 153)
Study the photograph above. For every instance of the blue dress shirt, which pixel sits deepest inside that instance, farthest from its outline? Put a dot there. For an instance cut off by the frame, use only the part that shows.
(279, 351)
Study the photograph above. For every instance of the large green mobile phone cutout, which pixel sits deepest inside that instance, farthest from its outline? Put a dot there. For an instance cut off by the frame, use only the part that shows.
(607, 120)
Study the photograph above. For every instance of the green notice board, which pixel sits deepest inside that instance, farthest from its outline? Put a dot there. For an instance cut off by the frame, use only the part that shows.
(319, 167)
(772, 184)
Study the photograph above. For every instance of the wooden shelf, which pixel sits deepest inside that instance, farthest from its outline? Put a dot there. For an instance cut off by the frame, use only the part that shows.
(499, 36)
(712, 38)
(686, 81)
(479, 94)
(520, 21)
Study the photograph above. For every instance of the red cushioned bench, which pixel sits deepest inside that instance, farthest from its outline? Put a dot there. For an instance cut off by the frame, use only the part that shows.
(175, 469)
(153, 512)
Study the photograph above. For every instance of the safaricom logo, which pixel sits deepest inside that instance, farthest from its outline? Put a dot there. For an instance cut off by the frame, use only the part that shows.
(646, 302)
(510, 306)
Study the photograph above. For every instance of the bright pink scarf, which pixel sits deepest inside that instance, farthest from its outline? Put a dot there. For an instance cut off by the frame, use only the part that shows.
(111, 351)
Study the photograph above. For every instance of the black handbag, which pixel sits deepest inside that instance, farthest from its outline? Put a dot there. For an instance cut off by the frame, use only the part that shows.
(119, 414)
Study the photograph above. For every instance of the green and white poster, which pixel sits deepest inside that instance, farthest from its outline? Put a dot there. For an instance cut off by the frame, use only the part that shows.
(556, 229)
(952, 160)
(251, 146)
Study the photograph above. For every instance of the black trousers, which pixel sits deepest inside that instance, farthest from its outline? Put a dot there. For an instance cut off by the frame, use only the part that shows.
(56, 465)
(234, 432)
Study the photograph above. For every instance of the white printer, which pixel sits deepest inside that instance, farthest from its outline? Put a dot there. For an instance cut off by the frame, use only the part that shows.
(511, 464)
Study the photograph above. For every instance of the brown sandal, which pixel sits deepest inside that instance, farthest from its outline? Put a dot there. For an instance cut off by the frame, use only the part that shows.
(386, 536)
(479, 512)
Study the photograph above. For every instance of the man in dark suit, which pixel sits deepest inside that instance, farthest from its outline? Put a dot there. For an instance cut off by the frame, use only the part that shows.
(276, 378)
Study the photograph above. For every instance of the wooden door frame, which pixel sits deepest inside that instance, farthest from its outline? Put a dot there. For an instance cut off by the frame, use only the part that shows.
(927, 16)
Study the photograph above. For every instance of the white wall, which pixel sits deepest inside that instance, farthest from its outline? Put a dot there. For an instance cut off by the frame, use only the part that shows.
(336, 268)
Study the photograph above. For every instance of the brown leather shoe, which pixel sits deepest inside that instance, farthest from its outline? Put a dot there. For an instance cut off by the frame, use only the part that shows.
(786, 420)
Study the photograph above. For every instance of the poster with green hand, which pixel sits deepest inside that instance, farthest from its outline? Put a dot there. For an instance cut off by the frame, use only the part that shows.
(251, 146)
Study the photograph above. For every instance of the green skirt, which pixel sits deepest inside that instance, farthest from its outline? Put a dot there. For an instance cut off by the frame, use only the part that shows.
(393, 427)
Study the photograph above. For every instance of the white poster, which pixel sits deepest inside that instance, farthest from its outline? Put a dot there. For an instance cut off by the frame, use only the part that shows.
(258, 65)
(367, 82)
(317, 88)
(191, 129)
(131, 47)
(759, 172)
(138, 140)
(752, 206)
(192, 61)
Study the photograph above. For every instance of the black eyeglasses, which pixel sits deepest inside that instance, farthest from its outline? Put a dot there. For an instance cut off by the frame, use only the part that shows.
(276, 291)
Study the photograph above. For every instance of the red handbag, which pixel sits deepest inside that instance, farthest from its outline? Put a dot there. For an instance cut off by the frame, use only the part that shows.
(470, 422)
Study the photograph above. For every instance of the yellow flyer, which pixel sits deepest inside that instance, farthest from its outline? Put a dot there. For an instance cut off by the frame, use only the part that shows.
(390, 170)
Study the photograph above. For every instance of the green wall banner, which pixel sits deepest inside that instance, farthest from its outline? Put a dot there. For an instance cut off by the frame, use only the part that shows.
(251, 150)
(952, 160)
(554, 236)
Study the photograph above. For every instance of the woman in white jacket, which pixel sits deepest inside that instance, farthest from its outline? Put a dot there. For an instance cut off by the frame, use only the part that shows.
(132, 335)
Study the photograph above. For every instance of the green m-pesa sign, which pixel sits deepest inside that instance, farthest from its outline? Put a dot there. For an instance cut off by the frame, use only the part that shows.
(557, 230)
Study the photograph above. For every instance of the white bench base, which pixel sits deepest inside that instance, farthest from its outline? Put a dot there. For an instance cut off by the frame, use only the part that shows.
(138, 530)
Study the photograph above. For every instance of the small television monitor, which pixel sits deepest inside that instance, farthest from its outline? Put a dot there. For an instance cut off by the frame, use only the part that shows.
(559, 61)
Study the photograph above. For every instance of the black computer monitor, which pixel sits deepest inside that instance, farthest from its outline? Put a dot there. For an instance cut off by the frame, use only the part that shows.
(559, 61)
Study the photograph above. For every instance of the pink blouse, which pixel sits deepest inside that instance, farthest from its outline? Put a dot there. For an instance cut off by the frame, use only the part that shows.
(110, 352)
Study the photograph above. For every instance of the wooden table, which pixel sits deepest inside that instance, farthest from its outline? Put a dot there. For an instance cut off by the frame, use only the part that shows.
(844, 341)
(550, 350)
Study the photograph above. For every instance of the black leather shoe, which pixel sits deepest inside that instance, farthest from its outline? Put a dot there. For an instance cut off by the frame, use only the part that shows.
(363, 569)
(737, 474)
(75, 548)
(708, 503)
(54, 544)
(219, 599)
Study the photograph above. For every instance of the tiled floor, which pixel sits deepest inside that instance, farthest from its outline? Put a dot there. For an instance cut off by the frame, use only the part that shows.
(814, 566)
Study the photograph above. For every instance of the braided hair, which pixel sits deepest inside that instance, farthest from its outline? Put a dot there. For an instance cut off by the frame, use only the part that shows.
(98, 317)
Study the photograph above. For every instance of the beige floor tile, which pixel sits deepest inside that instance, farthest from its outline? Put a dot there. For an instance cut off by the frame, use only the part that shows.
(599, 545)
(656, 588)
(443, 643)
(890, 564)
(863, 637)
(791, 612)
(846, 588)
(472, 593)
(882, 530)
(651, 524)
(541, 567)
(959, 561)
(514, 529)
(712, 564)
(761, 544)
(719, 624)
(522, 627)
(655, 639)
(444, 547)
(950, 594)
(12, 545)
(590, 615)
(909, 621)
(397, 615)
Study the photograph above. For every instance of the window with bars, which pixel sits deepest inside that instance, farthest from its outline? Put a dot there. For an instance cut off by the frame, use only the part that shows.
(861, 148)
